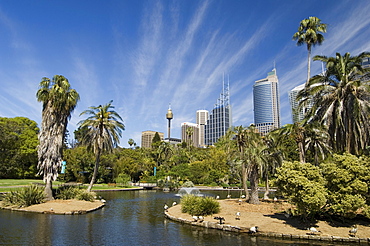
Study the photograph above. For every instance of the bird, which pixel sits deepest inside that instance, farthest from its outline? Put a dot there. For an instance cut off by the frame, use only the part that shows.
(200, 218)
(237, 215)
(240, 201)
(195, 218)
(353, 231)
(103, 201)
(174, 203)
(253, 229)
(217, 197)
(228, 196)
(165, 207)
(313, 230)
(242, 196)
(275, 199)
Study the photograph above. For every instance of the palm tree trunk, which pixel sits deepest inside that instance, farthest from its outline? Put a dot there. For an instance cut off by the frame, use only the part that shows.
(48, 190)
(96, 168)
(244, 180)
(302, 157)
(267, 188)
(308, 64)
(254, 185)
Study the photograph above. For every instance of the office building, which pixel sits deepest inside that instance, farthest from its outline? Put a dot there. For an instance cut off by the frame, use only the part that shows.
(219, 120)
(202, 117)
(266, 103)
(190, 133)
(147, 138)
(297, 114)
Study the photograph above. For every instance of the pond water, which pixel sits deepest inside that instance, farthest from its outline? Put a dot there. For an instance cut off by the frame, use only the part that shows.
(129, 218)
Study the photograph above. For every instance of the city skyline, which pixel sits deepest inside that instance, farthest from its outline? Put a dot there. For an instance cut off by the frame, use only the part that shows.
(144, 55)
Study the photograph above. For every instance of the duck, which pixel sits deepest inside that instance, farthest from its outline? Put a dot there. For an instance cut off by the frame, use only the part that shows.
(165, 207)
(353, 231)
(237, 215)
(174, 204)
(242, 196)
(253, 229)
(195, 218)
(228, 196)
(313, 230)
(217, 197)
(200, 218)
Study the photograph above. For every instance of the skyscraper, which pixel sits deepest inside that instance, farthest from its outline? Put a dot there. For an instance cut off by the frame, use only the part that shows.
(147, 138)
(220, 118)
(266, 103)
(297, 115)
(190, 133)
(202, 117)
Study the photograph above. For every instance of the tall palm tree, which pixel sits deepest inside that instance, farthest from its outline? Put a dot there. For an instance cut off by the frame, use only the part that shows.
(104, 129)
(59, 101)
(341, 101)
(241, 142)
(310, 33)
(253, 154)
(297, 130)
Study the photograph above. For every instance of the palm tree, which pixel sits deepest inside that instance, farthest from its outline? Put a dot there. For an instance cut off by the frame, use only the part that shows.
(341, 101)
(297, 130)
(241, 142)
(253, 154)
(310, 33)
(59, 101)
(104, 129)
(131, 142)
(316, 142)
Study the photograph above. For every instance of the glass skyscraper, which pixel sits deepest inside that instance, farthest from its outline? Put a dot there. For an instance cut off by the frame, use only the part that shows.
(220, 118)
(266, 103)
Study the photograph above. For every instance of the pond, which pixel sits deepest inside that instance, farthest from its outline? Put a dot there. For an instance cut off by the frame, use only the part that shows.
(129, 218)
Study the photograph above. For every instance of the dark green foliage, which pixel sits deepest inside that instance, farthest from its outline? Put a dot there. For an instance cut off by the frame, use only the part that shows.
(303, 185)
(67, 192)
(86, 196)
(199, 206)
(156, 138)
(347, 180)
(26, 196)
(18, 147)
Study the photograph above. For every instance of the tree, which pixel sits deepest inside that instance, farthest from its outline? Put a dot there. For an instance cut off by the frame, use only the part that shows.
(18, 147)
(310, 33)
(341, 101)
(316, 142)
(297, 131)
(303, 185)
(131, 142)
(241, 142)
(104, 129)
(59, 100)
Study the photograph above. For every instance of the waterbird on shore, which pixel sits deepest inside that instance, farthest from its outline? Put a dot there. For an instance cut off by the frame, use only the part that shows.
(165, 207)
(200, 218)
(313, 230)
(195, 218)
(228, 196)
(275, 199)
(217, 197)
(237, 215)
(240, 201)
(253, 229)
(353, 231)
(174, 203)
(242, 196)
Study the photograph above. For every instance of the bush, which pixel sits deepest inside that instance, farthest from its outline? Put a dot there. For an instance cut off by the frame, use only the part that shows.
(26, 196)
(86, 196)
(123, 179)
(199, 206)
(67, 192)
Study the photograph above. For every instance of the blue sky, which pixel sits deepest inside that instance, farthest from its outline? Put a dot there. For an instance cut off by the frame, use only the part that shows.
(144, 55)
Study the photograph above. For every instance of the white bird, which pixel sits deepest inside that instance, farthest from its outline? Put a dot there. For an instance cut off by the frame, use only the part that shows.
(195, 218)
(217, 197)
(228, 196)
(174, 203)
(200, 218)
(165, 207)
(353, 231)
(275, 199)
(253, 229)
(237, 215)
(240, 201)
(242, 196)
(313, 230)
(103, 201)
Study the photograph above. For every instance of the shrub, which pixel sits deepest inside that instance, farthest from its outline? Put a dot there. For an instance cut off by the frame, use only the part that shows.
(26, 196)
(86, 196)
(199, 206)
(67, 192)
(123, 179)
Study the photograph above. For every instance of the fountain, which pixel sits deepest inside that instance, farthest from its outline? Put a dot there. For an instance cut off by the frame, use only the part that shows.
(189, 191)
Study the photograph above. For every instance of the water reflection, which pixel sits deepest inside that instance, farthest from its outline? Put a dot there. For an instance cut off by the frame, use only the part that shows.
(129, 218)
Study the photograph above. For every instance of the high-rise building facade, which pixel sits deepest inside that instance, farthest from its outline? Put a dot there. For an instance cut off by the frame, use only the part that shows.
(220, 119)
(147, 138)
(297, 114)
(266, 103)
(190, 133)
(202, 117)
